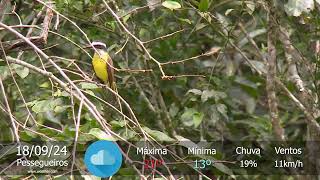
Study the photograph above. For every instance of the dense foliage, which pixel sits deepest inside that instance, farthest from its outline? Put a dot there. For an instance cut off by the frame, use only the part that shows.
(196, 70)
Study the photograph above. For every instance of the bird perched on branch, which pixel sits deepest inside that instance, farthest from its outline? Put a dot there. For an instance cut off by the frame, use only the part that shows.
(102, 64)
(103, 67)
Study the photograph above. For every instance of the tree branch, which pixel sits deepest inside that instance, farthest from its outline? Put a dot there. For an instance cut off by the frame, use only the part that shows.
(270, 82)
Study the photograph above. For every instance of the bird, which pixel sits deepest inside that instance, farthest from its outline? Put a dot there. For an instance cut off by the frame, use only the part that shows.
(102, 64)
(103, 67)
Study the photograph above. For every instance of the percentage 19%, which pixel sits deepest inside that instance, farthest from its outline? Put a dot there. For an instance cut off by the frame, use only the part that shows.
(248, 163)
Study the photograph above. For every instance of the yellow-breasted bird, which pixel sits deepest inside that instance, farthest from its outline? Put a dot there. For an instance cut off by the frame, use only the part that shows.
(102, 64)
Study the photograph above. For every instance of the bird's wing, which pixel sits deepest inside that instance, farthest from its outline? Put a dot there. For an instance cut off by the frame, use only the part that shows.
(110, 72)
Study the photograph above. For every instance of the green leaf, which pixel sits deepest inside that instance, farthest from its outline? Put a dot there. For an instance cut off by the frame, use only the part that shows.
(195, 91)
(60, 109)
(197, 118)
(174, 109)
(158, 135)
(185, 20)
(171, 5)
(185, 142)
(45, 105)
(217, 95)
(4, 72)
(206, 94)
(101, 135)
(61, 93)
(90, 92)
(44, 85)
(222, 109)
(31, 103)
(203, 5)
(117, 124)
(143, 33)
(21, 70)
(187, 116)
(127, 134)
(85, 85)
(192, 117)
(297, 7)
(126, 18)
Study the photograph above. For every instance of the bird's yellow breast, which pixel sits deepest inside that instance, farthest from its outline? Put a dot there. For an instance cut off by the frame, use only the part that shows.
(99, 63)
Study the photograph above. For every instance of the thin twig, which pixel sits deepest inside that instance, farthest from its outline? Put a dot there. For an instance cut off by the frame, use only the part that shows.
(209, 53)
(163, 37)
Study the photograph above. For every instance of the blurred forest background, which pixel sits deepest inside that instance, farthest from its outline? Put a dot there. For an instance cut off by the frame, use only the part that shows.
(198, 70)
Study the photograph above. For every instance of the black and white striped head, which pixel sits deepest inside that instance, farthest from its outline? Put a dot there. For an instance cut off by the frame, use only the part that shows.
(99, 45)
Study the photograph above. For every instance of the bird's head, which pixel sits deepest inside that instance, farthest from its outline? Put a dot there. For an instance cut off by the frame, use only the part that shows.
(97, 45)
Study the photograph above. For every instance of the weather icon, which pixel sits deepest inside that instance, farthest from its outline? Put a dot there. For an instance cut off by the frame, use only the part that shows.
(103, 158)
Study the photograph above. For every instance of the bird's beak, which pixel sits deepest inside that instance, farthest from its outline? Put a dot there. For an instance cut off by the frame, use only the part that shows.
(88, 47)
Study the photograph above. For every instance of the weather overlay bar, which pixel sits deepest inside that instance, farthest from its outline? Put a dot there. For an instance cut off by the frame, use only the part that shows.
(177, 158)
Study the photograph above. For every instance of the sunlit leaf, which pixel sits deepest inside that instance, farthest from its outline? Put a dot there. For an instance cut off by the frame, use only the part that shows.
(21, 70)
(187, 117)
(197, 118)
(117, 123)
(171, 5)
(297, 7)
(44, 85)
(195, 91)
(158, 135)
(101, 135)
(60, 109)
(86, 85)
(45, 105)
(206, 95)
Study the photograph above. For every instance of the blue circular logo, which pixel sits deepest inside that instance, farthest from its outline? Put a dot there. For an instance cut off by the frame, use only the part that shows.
(103, 158)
